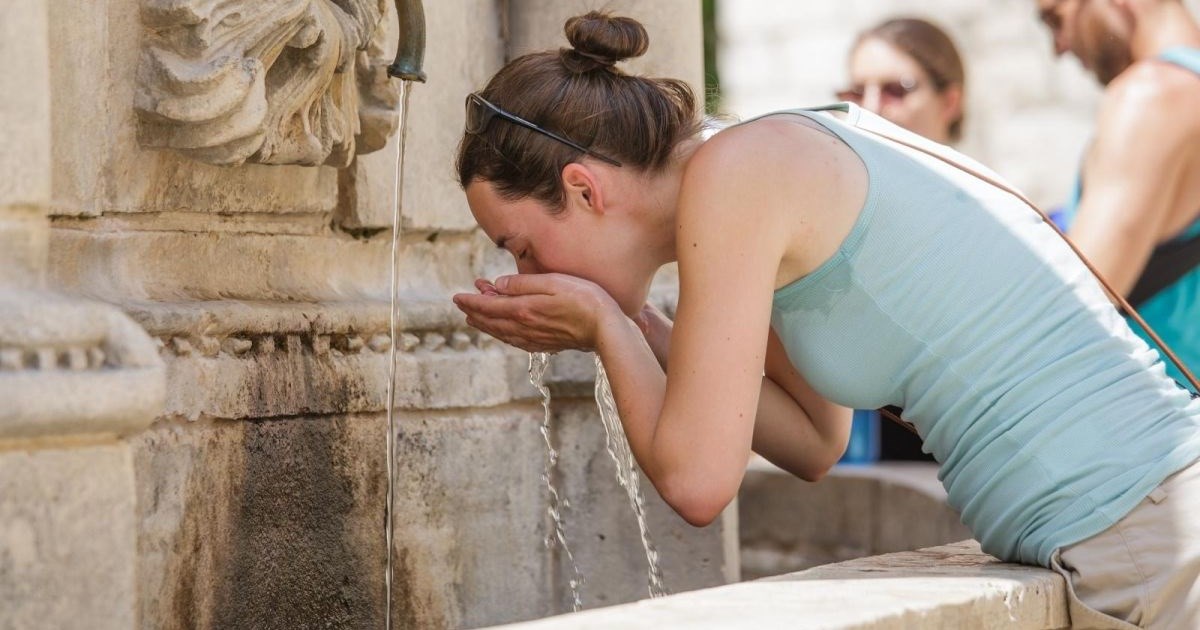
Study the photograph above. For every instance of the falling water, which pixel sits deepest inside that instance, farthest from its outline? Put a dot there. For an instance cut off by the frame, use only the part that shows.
(538, 361)
(627, 474)
(394, 289)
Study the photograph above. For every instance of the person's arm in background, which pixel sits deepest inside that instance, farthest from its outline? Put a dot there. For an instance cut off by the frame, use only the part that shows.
(1134, 172)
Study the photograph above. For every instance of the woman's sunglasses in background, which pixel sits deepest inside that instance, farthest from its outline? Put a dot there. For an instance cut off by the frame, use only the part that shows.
(892, 91)
(480, 113)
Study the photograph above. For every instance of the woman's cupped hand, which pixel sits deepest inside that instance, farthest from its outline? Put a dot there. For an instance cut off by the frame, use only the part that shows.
(540, 312)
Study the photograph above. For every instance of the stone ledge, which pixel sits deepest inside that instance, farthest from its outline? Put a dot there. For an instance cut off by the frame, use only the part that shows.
(788, 524)
(953, 586)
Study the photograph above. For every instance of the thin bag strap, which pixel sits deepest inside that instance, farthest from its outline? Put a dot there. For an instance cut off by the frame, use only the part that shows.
(1112, 294)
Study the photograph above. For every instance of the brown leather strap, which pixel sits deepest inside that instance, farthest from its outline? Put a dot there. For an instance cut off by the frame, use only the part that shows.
(1112, 294)
(893, 414)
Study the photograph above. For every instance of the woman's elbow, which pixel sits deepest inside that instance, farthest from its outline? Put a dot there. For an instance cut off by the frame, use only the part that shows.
(697, 503)
(813, 475)
(809, 469)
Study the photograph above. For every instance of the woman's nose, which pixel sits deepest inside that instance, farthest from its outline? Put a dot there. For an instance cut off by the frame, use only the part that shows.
(528, 266)
(872, 98)
(1062, 43)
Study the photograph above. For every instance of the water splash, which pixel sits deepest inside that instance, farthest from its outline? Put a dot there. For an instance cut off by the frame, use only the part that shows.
(393, 330)
(627, 474)
(538, 362)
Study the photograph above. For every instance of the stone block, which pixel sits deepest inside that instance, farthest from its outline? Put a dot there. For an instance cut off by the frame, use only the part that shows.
(269, 524)
(68, 537)
(24, 123)
(24, 238)
(277, 523)
(471, 520)
(185, 266)
(603, 531)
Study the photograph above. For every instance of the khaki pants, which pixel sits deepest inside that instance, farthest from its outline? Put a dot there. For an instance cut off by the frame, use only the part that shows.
(1142, 572)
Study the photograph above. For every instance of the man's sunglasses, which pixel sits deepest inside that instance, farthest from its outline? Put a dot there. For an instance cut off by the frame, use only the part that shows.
(480, 113)
(896, 90)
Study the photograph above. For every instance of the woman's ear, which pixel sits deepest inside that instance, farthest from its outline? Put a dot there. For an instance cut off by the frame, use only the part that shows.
(581, 188)
(952, 103)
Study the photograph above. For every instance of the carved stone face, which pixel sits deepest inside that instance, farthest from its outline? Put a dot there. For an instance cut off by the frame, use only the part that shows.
(269, 81)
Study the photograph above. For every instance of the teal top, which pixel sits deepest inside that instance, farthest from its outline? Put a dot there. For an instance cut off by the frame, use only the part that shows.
(1174, 312)
(953, 300)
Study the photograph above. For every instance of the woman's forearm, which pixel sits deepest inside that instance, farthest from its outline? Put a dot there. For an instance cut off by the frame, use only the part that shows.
(784, 433)
(638, 384)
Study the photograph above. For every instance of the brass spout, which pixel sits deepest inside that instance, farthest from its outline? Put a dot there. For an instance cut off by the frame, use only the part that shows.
(410, 50)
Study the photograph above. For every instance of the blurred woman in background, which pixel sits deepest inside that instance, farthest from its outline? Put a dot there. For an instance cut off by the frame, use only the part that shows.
(909, 71)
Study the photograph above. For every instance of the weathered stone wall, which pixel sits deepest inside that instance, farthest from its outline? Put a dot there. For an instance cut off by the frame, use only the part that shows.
(256, 497)
(75, 376)
(1028, 115)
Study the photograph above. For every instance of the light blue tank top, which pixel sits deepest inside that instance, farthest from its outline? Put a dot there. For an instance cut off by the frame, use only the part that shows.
(1174, 312)
(951, 299)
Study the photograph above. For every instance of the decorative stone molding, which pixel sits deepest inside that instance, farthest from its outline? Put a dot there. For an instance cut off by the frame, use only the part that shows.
(248, 345)
(71, 358)
(233, 359)
(71, 367)
(273, 82)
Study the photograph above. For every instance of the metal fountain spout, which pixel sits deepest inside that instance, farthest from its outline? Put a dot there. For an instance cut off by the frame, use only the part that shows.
(410, 51)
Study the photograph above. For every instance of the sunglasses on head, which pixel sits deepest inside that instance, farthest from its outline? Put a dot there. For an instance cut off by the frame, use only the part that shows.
(895, 90)
(480, 113)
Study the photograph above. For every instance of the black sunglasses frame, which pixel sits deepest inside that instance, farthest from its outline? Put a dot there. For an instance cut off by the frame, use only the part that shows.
(490, 111)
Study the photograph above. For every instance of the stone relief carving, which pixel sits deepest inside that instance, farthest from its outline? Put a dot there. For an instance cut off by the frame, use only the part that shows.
(267, 81)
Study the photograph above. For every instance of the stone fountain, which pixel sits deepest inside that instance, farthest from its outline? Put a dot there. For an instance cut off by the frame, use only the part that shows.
(195, 217)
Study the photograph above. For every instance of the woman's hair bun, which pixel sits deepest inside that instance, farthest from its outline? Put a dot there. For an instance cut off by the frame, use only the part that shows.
(604, 39)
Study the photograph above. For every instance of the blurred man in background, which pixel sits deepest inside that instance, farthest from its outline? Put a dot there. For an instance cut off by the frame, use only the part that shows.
(1136, 211)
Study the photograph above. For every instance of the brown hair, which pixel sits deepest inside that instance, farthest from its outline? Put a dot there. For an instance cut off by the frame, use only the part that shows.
(580, 94)
(930, 47)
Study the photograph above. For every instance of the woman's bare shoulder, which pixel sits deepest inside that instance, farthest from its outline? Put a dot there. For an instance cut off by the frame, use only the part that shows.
(789, 178)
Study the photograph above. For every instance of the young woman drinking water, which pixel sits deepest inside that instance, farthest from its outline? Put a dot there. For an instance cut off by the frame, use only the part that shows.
(823, 267)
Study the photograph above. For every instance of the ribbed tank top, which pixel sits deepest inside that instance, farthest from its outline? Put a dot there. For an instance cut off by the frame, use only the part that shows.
(951, 299)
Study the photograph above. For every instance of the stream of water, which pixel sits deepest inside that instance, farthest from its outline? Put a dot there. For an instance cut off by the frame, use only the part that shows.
(393, 331)
(538, 362)
(627, 474)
